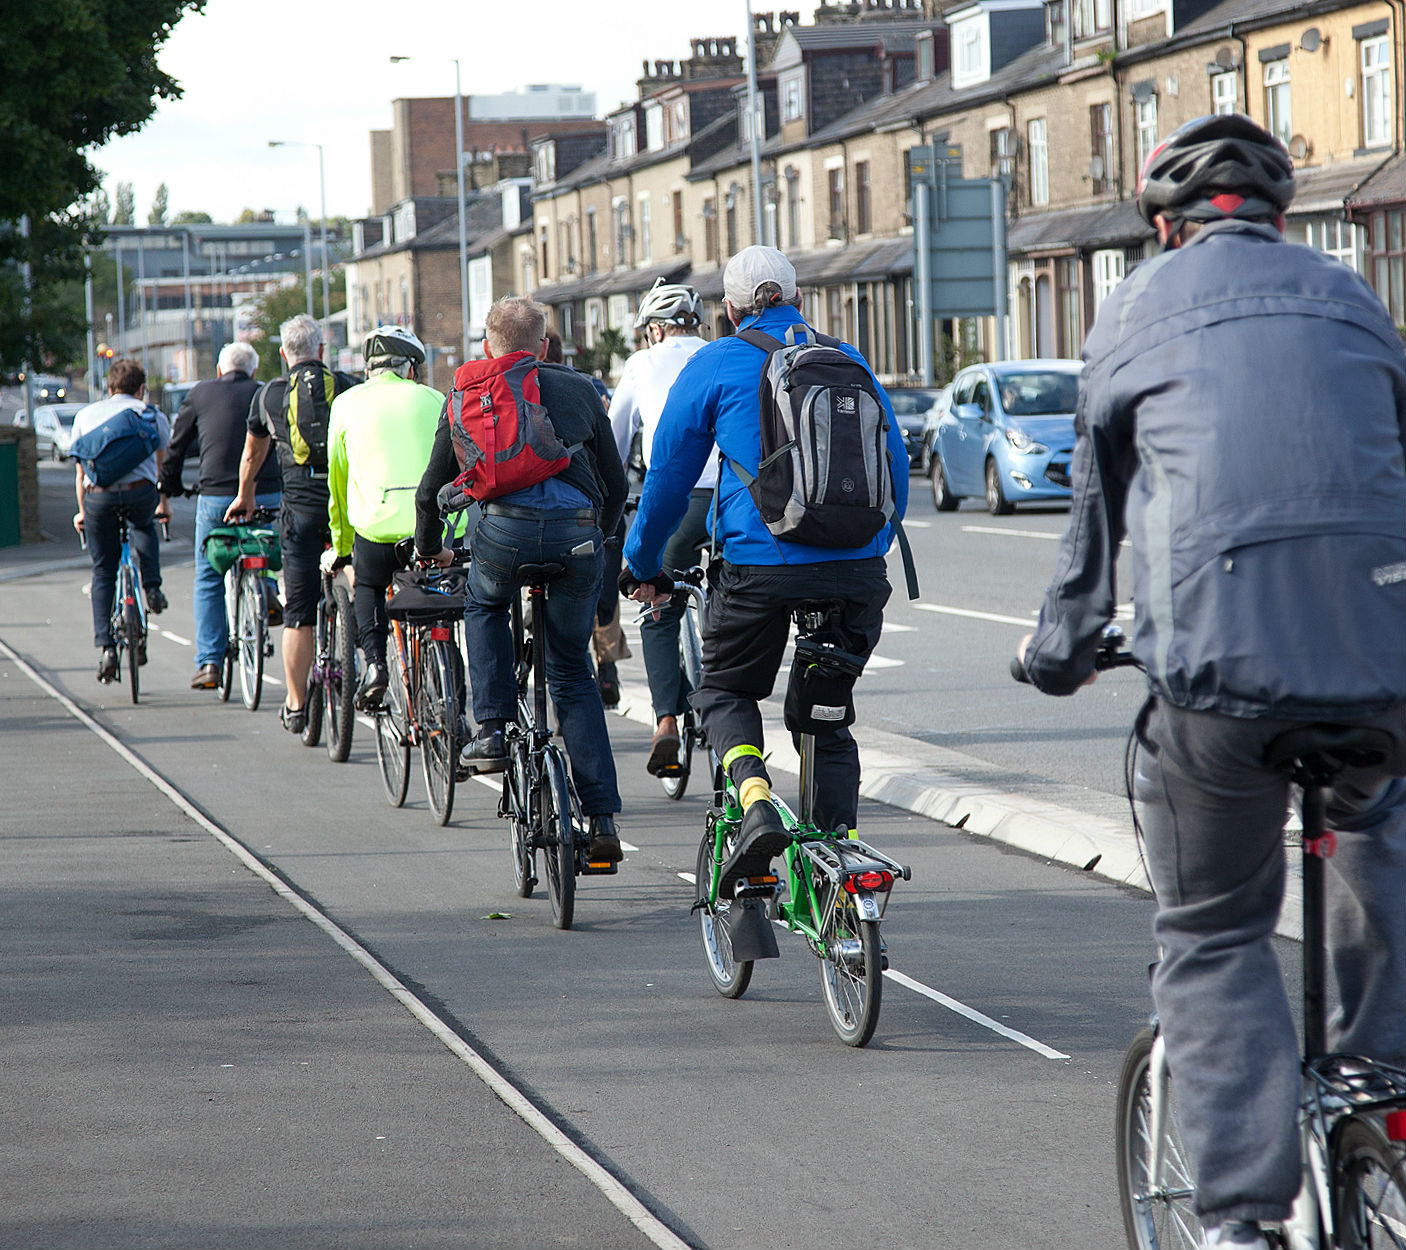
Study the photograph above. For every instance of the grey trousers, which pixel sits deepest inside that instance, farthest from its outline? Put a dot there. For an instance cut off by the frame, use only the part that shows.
(1212, 817)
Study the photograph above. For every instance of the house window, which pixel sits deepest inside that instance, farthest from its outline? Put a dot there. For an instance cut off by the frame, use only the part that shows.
(710, 229)
(1109, 268)
(653, 128)
(624, 231)
(1092, 17)
(1054, 22)
(542, 241)
(1039, 162)
(590, 240)
(770, 234)
(1276, 99)
(622, 137)
(1376, 92)
(926, 56)
(567, 251)
(969, 52)
(1145, 119)
(1002, 152)
(1386, 255)
(545, 164)
(1224, 92)
(730, 218)
(792, 103)
(1070, 321)
(793, 205)
(678, 222)
(837, 203)
(1342, 240)
(646, 235)
(862, 216)
(1100, 148)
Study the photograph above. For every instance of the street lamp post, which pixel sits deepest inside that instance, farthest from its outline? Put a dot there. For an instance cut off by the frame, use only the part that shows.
(463, 233)
(322, 188)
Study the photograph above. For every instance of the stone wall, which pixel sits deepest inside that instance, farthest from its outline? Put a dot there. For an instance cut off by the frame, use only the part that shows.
(23, 440)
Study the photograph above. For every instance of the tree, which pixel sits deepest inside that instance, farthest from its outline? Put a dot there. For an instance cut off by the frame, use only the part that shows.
(77, 74)
(188, 218)
(125, 214)
(277, 306)
(157, 216)
(102, 208)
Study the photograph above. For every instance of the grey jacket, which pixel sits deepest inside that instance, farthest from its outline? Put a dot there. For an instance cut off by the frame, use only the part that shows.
(1241, 419)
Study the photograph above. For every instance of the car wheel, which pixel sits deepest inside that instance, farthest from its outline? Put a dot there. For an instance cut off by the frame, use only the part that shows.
(996, 502)
(942, 497)
(55, 454)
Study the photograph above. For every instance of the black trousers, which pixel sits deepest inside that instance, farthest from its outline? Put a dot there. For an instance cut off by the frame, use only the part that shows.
(372, 563)
(745, 630)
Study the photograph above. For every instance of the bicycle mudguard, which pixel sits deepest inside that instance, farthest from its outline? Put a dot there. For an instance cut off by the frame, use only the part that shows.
(750, 930)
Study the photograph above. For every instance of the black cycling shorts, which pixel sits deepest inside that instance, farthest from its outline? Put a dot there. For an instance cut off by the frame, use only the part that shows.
(305, 536)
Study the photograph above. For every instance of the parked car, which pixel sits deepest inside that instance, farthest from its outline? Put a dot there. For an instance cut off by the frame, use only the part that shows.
(1007, 435)
(912, 406)
(173, 396)
(53, 430)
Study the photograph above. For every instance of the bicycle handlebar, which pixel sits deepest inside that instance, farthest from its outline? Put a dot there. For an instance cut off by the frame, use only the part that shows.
(1112, 652)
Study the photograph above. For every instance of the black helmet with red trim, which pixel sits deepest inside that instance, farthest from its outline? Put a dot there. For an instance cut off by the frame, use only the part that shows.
(1216, 167)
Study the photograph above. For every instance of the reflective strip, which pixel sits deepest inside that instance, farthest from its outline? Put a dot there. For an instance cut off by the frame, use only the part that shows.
(737, 753)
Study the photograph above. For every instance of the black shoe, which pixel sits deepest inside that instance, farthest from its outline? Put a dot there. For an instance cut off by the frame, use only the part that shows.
(294, 720)
(762, 837)
(141, 654)
(608, 683)
(373, 686)
(485, 753)
(605, 842)
(663, 754)
(156, 601)
(107, 664)
(275, 606)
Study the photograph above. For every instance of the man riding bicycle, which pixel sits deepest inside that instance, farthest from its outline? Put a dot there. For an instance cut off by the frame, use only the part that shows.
(378, 444)
(669, 315)
(758, 578)
(1241, 419)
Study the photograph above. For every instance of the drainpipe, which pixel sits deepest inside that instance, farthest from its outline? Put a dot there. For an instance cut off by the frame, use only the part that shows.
(1244, 65)
(1117, 106)
(1398, 47)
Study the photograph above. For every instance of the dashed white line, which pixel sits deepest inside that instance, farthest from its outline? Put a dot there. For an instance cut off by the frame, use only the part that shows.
(1025, 622)
(996, 529)
(176, 638)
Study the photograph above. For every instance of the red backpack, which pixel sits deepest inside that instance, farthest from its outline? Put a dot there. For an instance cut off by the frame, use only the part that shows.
(502, 437)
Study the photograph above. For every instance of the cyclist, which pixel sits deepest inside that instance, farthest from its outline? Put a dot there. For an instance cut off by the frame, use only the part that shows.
(378, 443)
(1241, 419)
(670, 314)
(305, 533)
(758, 579)
(97, 511)
(558, 521)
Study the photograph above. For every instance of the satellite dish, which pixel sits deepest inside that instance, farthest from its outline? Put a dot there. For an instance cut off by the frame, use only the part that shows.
(1299, 147)
(1310, 40)
(1225, 58)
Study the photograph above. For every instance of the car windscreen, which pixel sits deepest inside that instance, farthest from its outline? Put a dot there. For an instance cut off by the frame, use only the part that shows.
(911, 403)
(1041, 393)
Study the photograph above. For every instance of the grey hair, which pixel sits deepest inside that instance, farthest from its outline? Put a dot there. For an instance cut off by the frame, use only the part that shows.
(238, 357)
(397, 365)
(515, 324)
(301, 338)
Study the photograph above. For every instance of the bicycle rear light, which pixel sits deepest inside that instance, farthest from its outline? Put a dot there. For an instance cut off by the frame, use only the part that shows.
(440, 633)
(881, 880)
(1396, 1125)
(256, 562)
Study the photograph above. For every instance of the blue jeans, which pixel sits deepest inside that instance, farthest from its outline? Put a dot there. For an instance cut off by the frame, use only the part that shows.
(210, 629)
(499, 545)
(105, 546)
(659, 636)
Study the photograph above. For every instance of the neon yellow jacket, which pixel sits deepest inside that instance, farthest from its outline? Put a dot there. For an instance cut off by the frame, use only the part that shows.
(378, 444)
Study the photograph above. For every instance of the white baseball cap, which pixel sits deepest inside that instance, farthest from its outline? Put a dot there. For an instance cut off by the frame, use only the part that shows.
(752, 267)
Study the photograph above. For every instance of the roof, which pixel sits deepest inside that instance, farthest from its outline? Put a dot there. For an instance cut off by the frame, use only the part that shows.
(838, 36)
(481, 216)
(1325, 189)
(612, 282)
(1099, 225)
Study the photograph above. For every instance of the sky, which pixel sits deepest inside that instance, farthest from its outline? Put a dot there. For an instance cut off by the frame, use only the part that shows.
(319, 73)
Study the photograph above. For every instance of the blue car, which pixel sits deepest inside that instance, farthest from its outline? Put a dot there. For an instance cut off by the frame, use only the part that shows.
(1007, 435)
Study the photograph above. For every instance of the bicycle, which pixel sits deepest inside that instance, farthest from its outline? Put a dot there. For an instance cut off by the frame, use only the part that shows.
(421, 704)
(689, 590)
(128, 621)
(332, 678)
(253, 551)
(836, 887)
(538, 799)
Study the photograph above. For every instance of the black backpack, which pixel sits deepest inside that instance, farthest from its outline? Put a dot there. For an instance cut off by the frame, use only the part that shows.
(307, 413)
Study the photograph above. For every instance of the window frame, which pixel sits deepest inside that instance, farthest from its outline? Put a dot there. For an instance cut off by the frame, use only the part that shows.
(1039, 153)
(1370, 75)
(1278, 98)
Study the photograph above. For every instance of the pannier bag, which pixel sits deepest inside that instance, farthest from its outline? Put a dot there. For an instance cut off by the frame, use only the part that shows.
(226, 543)
(116, 447)
(418, 596)
(820, 692)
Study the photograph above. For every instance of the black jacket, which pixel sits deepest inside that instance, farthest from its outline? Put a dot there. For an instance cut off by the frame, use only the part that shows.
(578, 416)
(213, 422)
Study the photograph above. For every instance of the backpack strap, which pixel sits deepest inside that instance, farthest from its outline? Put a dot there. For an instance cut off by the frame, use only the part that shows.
(910, 573)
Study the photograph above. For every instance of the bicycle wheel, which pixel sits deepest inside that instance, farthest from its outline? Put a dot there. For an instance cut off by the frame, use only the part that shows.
(851, 975)
(676, 783)
(312, 699)
(729, 976)
(517, 804)
(558, 839)
(393, 736)
(227, 673)
(341, 684)
(251, 627)
(438, 716)
(1157, 1210)
(1369, 1187)
(135, 640)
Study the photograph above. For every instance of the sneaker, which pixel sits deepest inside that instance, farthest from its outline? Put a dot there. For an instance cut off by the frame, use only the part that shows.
(107, 664)
(373, 685)
(485, 753)
(762, 837)
(608, 683)
(156, 601)
(1242, 1234)
(664, 749)
(294, 720)
(605, 842)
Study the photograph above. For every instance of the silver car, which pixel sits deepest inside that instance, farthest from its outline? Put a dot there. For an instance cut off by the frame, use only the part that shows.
(53, 430)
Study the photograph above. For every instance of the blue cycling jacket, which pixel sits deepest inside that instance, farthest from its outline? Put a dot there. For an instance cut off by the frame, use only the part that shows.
(715, 397)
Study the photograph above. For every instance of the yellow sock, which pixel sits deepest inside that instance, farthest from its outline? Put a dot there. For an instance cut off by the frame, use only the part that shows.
(752, 789)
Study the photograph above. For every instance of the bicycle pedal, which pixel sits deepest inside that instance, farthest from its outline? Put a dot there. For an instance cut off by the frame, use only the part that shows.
(606, 868)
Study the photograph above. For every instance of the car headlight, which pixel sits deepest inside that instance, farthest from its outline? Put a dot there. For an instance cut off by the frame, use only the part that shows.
(1023, 443)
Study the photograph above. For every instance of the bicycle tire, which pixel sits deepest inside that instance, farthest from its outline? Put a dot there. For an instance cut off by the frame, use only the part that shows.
(1369, 1186)
(676, 784)
(517, 803)
(132, 634)
(730, 976)
(438, 716)
(853, 991)
(251, 627)
(558, 838)
(393, 736)
(1157, 1211)
(341, 684)
(312, 702)
(227, 673)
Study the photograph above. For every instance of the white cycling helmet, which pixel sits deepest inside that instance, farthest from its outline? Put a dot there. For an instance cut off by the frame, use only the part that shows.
(672, 302)
(387, 344)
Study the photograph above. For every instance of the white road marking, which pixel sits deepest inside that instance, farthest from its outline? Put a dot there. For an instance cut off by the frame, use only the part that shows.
(614, 1190)
(176, 638)
(1025, 622)
(916, 525)
(947, 1001)
(882, 661)
(270, 677)
(996, 529)
(893, 627)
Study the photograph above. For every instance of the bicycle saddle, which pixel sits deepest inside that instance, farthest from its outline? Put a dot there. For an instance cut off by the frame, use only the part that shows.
(1325, 749)
(538, 574)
